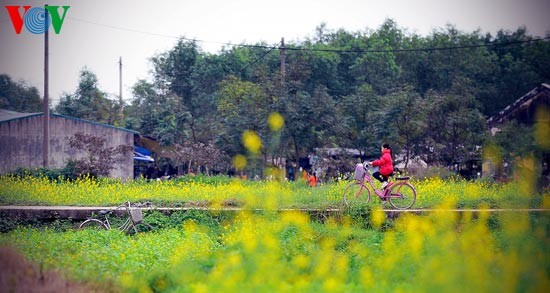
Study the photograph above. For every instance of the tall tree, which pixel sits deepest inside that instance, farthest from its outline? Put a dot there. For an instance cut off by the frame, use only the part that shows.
(410, 122)
(311, 121)
(455, 126)
(242, 105)
(428, 95)
(380, 69)
(18, 96)
(174, 73)
(151, 113)
(89, 102)
(359, 116)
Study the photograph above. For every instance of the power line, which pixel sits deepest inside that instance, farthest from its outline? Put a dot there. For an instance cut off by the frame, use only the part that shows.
(258, 59)
(492, 44)
(164, 35)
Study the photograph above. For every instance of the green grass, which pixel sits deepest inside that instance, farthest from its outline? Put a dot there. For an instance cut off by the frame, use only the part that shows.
(442, 252)
(355, 251)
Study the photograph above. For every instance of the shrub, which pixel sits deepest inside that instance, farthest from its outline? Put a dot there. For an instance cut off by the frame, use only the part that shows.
(100, 159)
(66, 173)
(431, 172)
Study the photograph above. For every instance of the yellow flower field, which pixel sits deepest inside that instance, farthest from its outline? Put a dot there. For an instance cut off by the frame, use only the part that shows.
(258, 194)
(444, 251)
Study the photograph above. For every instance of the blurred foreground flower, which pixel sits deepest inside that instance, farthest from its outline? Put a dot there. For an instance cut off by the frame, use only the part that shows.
(239, 162)
(275, 121)
(252, 141)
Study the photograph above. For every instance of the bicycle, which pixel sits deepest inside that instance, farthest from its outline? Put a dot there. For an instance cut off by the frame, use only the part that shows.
(132, 224)
(400, 193)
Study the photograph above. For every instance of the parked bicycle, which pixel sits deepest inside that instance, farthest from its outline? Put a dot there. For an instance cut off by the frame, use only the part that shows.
(400, 193)
(133, 223)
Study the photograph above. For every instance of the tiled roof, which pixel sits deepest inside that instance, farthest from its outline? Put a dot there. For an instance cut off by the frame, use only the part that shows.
(519, 103)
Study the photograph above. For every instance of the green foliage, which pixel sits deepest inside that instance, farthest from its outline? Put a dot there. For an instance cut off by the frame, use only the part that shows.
(360, 113)
(456, 126)
(340, 89)
(242, 106)
(515, 141)
(204, 179)
(186, 76)
(289, 251)
(18, 96)
(370, 93)
(59, 175)
(411, 124)
(89, 102)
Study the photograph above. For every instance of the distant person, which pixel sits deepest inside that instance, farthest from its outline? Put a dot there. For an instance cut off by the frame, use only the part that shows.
(386, 165)
(304, 174)
(312, 180)
(290, 171)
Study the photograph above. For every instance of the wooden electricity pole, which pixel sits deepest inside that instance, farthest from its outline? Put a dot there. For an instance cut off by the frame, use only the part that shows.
(120, 89)
(46, 134)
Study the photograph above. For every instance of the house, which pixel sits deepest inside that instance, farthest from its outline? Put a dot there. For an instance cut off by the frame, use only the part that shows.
(532, 109)
(21, 140)
(524, 110)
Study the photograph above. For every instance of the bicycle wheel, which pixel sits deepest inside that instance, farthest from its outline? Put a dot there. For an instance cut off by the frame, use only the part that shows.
(94, 224)
(356, 194)
(139, 228)
(402, 196)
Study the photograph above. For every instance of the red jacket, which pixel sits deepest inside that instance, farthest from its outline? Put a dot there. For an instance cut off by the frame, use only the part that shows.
(385, 163)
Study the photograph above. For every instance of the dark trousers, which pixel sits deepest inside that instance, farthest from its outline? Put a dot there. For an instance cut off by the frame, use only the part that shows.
(380, 177)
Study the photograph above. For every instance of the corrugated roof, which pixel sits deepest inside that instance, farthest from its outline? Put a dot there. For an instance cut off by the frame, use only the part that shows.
(6, 116)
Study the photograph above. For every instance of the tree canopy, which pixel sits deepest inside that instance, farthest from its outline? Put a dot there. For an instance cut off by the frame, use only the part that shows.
(18, 96)
(429, 96)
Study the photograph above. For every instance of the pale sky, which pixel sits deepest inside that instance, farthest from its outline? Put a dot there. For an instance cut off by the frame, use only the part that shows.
(96, 33)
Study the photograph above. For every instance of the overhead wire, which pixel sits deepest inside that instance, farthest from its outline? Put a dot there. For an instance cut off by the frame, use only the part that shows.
(271, 48)
(294, 48)
(258, 59)
(493, 44)
(164, 35)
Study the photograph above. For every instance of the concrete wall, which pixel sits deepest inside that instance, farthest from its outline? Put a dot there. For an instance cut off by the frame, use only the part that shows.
(21, 143)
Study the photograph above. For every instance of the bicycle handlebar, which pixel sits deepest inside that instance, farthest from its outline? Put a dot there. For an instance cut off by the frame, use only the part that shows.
(366, 164)
(128, 205)
(125, 205)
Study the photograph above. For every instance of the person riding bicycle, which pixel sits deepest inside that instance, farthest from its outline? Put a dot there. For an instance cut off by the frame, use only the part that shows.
(386, 165)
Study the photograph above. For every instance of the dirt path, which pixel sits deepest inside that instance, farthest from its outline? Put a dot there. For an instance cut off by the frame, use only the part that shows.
(19, 275)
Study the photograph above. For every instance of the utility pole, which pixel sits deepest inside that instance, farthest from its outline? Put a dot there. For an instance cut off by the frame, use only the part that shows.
(120, 88)
(46, 134)
(283, 61)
